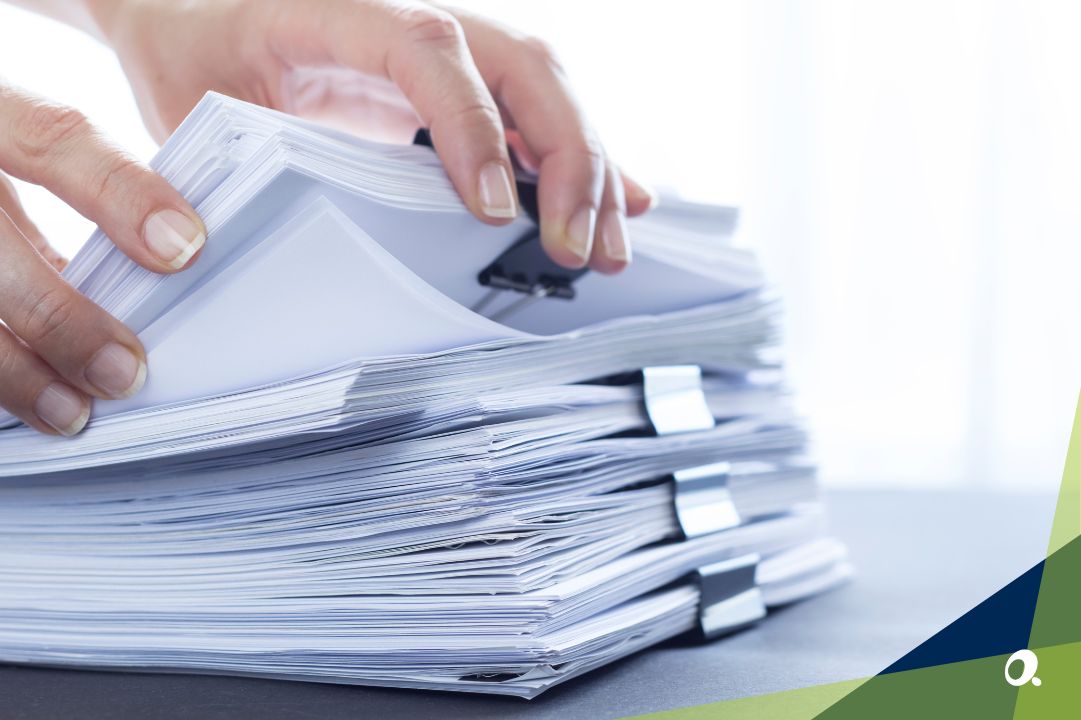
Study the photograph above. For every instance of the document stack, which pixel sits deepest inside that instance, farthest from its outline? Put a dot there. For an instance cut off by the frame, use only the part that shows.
(382, 443)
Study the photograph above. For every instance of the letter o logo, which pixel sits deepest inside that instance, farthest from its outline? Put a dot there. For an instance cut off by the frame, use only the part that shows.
(1029, 662)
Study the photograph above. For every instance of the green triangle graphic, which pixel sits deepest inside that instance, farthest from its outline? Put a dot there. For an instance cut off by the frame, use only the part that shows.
(1067, 524)
(800, 704)
(975, 688)
(1056, 626)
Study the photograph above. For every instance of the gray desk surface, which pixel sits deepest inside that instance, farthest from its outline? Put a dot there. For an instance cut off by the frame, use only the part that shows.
(923, 559)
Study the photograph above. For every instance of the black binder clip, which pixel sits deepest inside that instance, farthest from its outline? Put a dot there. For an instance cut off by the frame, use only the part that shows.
(524, 267)
(730, 599)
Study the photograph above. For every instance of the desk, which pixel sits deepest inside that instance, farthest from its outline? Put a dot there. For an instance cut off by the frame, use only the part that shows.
(922, 560)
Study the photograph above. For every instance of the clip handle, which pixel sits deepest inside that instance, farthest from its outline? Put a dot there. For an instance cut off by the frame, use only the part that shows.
(675, 401)
(730, 598)
(702, 500)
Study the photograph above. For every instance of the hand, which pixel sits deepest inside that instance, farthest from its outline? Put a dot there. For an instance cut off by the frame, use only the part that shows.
(57, 349)
(371, 64)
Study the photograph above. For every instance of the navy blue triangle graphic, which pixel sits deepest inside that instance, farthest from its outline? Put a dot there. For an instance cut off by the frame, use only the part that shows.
(999, 625)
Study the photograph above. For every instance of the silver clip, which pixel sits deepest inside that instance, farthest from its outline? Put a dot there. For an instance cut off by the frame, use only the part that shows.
(703, 503)
(729, 596)
(675, 402)
(521, 303)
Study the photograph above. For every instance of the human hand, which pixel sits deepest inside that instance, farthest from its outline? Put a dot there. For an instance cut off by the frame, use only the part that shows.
(57, 349)
(383, 68)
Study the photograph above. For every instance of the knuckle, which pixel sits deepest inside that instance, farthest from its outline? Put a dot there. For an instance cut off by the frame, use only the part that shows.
(589, 147)
(44, 126)
(9, 360)
(477, 115)
(50, 315)
(540, 52)
(116, 177)
(430, 25)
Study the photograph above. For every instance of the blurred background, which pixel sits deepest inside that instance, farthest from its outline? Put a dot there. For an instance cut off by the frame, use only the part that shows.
(909, 171)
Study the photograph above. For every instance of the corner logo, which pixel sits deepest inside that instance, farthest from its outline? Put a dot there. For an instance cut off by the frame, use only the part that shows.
(1028, 661)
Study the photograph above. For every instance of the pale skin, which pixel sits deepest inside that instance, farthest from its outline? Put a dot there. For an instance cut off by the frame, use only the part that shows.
(477, 85)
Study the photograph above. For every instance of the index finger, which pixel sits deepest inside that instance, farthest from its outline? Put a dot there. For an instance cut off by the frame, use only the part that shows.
(529, 83)
(423, 51)
(56, 147)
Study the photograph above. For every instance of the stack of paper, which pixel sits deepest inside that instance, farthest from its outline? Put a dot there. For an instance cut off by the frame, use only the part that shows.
(338, 471)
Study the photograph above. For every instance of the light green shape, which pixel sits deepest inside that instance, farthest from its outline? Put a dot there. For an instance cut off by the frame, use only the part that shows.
(972, 688)
(799, 704)
(1056, 624)
(1059, 693)
(1057, 617)
(968, 689)
(1067, 523)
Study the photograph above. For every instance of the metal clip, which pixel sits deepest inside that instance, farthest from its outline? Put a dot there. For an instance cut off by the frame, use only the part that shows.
(730, 597)
(524, 267)
(703, 503)
(675, 402)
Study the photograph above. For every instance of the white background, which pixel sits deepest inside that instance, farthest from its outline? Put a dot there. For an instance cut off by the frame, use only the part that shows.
(908, 170)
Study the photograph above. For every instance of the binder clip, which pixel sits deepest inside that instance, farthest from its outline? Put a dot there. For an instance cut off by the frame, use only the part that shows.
(523, 267)
(730, 597)
(676, 403)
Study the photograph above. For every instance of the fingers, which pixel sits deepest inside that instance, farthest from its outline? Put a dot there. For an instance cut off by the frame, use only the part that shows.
(527, 81)
(57, 349)
(31, 391)
(428, 59)
(9, 203)
(90, 350)
(423, 50)
(568, 196)
(571, 161)
(640, 199)
(612, 248)
(55, 146)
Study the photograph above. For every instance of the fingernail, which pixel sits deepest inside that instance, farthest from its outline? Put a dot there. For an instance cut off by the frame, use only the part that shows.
(116, 371)
(580, 233)
(654, 198)
(614, 238)
(62, 409)
(173, 237)
(496, 195)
